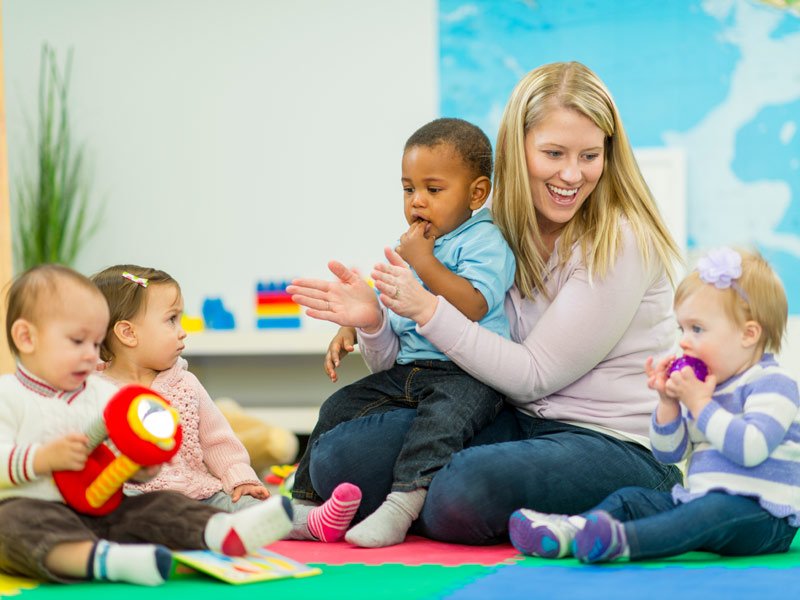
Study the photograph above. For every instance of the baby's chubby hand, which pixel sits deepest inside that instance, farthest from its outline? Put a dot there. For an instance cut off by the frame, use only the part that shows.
(692, 393)
(416, 245)
(657, 374)
(255, 490)
(67, 453)
(342, 344)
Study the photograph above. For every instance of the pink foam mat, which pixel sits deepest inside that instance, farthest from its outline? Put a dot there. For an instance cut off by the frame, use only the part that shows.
(414, 551)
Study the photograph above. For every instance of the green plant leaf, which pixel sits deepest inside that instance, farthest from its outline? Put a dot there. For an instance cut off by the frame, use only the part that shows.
(53, 194)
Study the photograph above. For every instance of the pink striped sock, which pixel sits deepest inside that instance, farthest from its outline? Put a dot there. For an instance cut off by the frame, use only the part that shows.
(329, 522)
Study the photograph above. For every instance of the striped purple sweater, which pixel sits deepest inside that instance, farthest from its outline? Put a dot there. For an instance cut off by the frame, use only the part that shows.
(746, 441)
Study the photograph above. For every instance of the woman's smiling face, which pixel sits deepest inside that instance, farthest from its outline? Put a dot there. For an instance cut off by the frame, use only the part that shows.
(565, 158)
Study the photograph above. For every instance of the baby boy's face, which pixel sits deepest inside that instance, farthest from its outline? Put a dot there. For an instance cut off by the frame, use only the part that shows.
(436, 188)
(68, 337)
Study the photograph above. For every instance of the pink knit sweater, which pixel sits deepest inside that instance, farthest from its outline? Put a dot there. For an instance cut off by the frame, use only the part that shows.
(211, 457)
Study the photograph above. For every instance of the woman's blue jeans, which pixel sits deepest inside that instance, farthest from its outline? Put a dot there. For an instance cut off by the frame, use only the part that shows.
(517, 461)
(722, 523)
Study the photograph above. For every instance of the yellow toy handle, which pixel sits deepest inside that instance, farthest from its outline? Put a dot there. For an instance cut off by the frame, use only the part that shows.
(110, 480)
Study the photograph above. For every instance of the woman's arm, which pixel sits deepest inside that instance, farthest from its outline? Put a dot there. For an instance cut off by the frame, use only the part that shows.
(380, 348)
(579, 328)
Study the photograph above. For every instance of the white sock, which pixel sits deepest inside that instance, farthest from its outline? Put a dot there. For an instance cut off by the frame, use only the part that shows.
(141, 564)
(389, 524)
(240, 533)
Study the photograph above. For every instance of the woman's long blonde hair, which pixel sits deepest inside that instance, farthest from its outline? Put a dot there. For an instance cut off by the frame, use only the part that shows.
(621, 189)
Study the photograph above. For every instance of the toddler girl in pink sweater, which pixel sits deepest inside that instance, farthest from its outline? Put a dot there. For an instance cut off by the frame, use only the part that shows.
(143, 346)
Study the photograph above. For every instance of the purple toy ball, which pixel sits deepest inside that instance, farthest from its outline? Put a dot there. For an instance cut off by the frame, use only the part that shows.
(698, 366)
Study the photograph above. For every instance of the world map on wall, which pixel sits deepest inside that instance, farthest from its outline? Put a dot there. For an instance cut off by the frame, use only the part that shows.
(719, 79)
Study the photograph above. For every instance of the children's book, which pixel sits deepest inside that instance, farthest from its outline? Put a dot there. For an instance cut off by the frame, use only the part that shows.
(261, 565)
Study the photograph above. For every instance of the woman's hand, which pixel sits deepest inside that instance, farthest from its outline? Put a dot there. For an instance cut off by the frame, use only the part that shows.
(400, 290)
(342, 344)
(349, 301)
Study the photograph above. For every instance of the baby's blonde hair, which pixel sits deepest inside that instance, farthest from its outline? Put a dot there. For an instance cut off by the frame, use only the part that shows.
(760, 297)
(125, 297)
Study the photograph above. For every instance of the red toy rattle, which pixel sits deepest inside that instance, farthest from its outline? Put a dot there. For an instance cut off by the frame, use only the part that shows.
(146, 431)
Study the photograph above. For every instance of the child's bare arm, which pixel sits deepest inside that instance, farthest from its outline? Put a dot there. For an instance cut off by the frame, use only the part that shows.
(417, 250)
(342, 344)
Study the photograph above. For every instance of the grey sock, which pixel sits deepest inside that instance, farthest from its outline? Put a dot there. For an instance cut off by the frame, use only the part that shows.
(389, 524)
(300, 520)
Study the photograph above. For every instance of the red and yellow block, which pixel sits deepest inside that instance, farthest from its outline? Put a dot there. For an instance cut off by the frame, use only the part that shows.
(274, 307)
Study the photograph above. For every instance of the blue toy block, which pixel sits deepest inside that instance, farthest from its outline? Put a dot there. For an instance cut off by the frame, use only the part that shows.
(278, 323)
(216, 316)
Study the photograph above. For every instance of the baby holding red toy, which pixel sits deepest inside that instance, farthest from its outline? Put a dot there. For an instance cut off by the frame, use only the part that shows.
(736, 426)
(55, 323)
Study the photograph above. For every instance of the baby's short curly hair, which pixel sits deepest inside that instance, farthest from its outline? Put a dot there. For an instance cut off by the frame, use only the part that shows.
(468, 140)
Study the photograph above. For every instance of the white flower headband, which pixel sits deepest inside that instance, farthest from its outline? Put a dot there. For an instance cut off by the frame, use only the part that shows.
(722, 267)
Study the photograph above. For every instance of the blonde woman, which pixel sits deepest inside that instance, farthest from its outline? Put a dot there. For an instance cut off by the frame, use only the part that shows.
(591, 301)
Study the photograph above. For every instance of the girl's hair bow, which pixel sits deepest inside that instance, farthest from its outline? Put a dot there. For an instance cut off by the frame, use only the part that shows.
(142, 281)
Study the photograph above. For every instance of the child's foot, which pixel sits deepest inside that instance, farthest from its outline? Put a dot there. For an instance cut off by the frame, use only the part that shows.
(389, 524)
(140, 564)
(601, 539)
(328, 522)
(240, 533)
(541, 534)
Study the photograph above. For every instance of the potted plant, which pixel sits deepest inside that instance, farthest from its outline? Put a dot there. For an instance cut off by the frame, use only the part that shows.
(51, 198)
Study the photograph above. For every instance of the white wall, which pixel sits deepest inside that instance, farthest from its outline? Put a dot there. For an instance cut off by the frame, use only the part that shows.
(235, 141)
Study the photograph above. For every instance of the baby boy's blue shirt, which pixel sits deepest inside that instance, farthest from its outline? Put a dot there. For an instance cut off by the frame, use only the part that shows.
(477, 252)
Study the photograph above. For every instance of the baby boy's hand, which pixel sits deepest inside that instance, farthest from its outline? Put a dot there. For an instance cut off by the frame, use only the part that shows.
(68, 453)
(416, 245)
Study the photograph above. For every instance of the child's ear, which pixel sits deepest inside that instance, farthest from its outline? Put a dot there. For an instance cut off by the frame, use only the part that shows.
(751, 334)
(24, 333)
(479, 192)
(125, 332)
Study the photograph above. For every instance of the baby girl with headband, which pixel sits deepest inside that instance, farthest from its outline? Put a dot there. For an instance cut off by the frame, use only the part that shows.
(738, 430)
